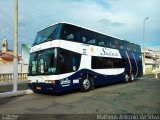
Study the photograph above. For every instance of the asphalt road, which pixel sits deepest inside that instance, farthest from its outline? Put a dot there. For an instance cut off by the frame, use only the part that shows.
(139, 97)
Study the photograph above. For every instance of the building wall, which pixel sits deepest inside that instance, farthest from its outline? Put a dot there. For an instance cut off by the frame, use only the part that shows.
(8, 68)
(152, 61)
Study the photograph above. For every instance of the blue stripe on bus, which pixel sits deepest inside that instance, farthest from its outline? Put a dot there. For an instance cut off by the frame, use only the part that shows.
(99, 79)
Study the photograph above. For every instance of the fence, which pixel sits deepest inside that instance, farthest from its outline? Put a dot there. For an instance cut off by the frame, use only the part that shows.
(6, 77)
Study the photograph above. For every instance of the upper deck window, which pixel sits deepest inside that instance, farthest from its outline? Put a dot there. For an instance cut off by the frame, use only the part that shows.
(47, 34)
(102, 40)
(88, 37)
(136, 48)
(122, 45)
(113, 43)
(129, 47)
(70, 33)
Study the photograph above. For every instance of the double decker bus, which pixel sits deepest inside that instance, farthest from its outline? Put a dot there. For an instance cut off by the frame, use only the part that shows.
(66, 57)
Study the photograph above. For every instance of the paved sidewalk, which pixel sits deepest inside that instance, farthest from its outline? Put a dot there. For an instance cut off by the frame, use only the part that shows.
(11, 82)
(15, 93)
(6, 89)
(8, 86)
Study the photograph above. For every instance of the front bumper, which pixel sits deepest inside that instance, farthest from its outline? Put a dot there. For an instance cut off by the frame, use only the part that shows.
(44, 87)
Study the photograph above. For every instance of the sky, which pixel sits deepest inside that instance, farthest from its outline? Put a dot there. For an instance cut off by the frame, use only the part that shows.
(119, 18)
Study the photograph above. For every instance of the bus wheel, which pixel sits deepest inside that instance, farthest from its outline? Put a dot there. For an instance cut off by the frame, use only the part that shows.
(126, 78)
(86, 84)
(131, 77)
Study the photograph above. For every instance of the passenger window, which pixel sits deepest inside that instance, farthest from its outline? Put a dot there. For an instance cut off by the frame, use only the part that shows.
(70, 37)
(70, 33)
(68, 61)
(84, 39)
(129, 47)
(101, 43)
(122, 45)
(105, 63)
(136, 48)
(113, 43)
(92, 41)
(88, 37)
(102, 40)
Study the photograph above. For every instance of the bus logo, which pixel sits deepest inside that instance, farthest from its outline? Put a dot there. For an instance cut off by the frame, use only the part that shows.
(108, 52)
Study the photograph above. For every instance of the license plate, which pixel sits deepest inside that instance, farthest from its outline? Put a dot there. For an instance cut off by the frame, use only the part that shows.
(38, 88)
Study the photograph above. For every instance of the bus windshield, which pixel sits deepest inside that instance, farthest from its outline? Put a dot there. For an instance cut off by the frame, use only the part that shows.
(46, 34)
(43, 62)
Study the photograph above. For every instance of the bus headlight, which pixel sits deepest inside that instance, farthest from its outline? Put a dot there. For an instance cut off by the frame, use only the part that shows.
(50, 81)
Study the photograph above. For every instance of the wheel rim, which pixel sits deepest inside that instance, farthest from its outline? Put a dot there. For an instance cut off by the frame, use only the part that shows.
(86, 84)
(126, 77)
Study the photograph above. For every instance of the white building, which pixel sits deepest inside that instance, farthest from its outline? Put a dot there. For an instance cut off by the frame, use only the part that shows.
(152, 60)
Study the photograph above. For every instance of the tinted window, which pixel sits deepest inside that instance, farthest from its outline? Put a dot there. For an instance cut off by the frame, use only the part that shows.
(70, 33)
(88, 37)
(113, 43)
(136, 48)
(104, 63)
(102, 40)
(33, 64)
(118, 63)
(68, 61)
(129, 46)
(43, 62)
(101, 63)
(122, 45)
(49, 33)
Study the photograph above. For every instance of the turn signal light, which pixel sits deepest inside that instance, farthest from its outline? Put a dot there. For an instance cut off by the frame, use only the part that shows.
(53, 81)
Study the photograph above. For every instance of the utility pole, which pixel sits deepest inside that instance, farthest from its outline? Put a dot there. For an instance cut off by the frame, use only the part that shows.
(144, 39)
(15, 67)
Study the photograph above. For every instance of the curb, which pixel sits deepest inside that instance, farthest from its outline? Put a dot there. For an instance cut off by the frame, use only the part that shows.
(17, 93)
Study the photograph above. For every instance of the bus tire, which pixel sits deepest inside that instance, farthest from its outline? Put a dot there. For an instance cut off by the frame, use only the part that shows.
(126, 78)
(131, 78)
(86, 84)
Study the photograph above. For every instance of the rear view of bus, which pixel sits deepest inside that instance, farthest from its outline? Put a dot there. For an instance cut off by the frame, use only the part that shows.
(66, 57)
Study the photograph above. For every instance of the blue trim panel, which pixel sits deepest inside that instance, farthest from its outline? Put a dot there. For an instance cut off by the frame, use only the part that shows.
(99, 79)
